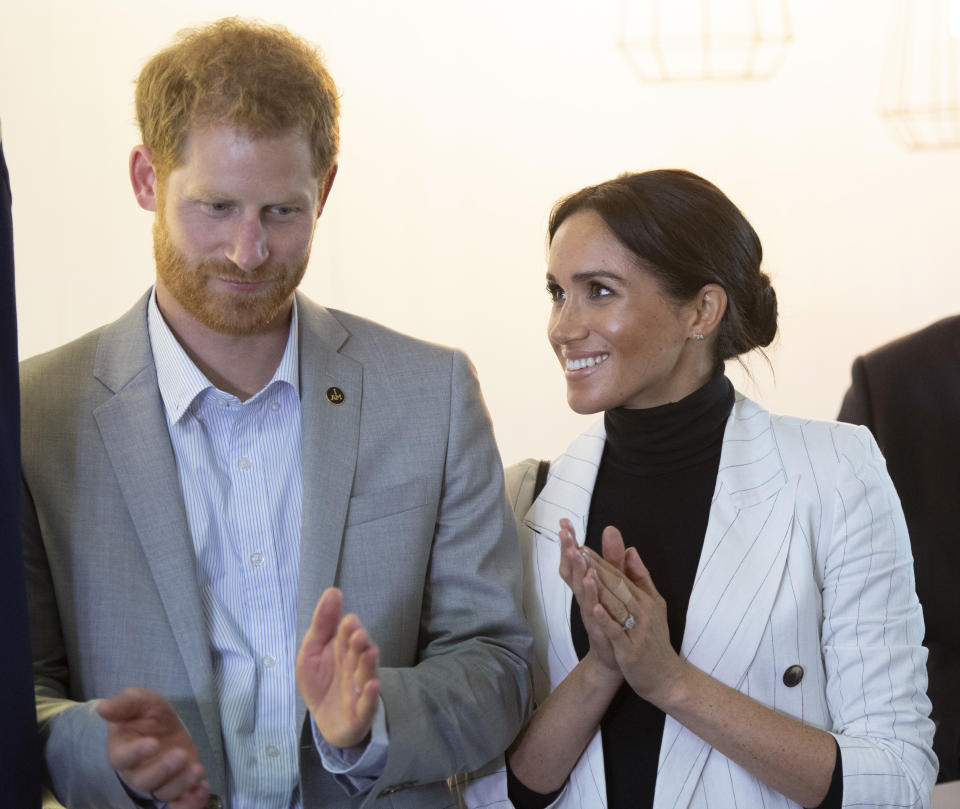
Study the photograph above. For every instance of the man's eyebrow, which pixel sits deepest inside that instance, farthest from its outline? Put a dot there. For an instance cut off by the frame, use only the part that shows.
(204, 193)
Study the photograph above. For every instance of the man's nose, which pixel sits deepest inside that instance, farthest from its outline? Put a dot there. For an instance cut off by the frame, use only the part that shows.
(248, 247)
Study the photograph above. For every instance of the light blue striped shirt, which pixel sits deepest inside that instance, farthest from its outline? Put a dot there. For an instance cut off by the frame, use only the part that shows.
(242, 483)
(240, 473)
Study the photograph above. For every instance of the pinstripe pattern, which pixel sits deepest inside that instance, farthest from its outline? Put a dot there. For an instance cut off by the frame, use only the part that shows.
(805, 561)
(240, 473)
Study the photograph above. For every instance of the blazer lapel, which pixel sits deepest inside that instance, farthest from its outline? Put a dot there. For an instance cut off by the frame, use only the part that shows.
(330, 435)
(569, 487)
(547, 599)
(133, 428)
(738, 577)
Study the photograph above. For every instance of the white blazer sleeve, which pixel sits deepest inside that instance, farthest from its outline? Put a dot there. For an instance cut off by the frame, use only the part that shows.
(871, 636)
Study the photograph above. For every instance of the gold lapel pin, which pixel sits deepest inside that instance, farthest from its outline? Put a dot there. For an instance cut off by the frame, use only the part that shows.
(335, 396)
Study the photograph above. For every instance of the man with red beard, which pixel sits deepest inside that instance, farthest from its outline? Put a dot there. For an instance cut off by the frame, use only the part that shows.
(269, 559)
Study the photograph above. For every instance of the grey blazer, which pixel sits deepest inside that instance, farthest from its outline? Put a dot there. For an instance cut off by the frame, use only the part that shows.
(403, 508)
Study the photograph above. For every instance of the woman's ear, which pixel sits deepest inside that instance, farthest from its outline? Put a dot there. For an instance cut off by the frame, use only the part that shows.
(711, 303)
(143, 177)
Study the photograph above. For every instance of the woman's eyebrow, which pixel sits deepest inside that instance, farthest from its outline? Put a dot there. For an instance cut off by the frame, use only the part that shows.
(589, 275)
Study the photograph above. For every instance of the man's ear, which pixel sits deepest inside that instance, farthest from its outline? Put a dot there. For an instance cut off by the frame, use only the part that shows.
(143, 177)
(325, 188)
(711, 303)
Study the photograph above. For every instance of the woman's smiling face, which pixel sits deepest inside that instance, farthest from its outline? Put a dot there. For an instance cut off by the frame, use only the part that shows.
(619, 339)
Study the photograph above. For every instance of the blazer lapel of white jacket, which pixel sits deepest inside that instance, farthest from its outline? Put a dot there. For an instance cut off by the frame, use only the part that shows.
(738, 577)
(567, 495)
(133, 428)
(547, 599)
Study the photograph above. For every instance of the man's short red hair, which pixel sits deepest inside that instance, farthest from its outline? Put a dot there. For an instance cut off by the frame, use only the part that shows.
(256, 77)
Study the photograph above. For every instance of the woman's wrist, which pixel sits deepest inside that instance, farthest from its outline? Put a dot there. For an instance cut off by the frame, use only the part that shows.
(598, 674)
(675, 691)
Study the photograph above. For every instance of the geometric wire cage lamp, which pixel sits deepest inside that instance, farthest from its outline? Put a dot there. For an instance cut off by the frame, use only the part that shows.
(704, 40)
(920, 85)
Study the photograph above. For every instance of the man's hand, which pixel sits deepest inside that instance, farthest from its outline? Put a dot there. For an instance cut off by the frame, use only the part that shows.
(151, 749)
(337, 673)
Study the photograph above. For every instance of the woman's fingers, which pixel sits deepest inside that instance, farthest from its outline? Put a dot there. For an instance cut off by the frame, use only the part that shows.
(573, 566)
(612, 579)
(634, 576)
(611, 543)
(619, 609)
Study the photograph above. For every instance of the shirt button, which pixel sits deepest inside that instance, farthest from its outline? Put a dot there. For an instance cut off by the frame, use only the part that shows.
(245, 463)
(256, 558)
(269, 661)
(222, 403)
(272, 751)
(275, 405)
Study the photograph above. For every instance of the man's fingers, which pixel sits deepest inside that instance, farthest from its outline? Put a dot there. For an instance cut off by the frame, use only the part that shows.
(326, 617)
(367, 702)
(131, 703)
(177, 784)
(353, 647)
(195, 798)
(130, 755)
(366, 668)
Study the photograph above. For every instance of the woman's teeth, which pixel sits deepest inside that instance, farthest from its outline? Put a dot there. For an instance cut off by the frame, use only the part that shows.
(585, 362)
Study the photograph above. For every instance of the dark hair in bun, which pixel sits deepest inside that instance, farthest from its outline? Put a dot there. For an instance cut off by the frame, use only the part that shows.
(685, 231)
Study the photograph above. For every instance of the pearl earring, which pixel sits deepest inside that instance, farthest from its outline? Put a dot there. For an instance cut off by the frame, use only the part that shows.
(698, 335)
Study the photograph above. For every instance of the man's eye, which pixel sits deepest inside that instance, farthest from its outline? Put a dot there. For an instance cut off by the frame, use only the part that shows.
(218, 207)
(284, 211)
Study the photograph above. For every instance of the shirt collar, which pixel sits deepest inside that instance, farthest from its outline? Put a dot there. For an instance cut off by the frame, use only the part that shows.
(180, 381)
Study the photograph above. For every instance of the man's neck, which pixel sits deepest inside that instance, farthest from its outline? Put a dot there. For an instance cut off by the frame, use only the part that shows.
(237, 364)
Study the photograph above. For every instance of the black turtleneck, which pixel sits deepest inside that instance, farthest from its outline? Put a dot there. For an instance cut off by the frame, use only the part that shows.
(655, 483)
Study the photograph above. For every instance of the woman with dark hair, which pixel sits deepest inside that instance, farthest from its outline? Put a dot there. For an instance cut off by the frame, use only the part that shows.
(739, 626)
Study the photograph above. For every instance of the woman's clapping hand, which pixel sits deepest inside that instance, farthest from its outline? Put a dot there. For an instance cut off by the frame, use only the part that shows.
(629, 615)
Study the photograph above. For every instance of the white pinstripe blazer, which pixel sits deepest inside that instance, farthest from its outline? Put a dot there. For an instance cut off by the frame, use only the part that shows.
(805, 561)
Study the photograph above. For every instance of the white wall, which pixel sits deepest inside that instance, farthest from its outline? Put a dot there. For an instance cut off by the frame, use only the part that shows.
(462, 123)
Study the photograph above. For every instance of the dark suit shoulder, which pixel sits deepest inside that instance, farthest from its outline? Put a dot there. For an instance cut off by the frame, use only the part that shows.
(933, 346)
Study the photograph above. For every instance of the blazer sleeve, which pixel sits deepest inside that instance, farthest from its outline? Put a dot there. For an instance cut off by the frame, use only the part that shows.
(73, 735)
(872, 632)
(486, 787)
(465, 700)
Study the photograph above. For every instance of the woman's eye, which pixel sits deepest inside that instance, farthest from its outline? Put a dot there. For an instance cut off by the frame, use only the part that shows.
(556, 293)
(600, 291)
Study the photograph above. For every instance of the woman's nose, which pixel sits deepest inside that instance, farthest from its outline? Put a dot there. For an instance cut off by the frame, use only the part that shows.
(248, 247)
(566, 324)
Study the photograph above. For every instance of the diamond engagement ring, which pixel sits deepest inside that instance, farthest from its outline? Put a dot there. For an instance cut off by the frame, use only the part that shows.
(629, 623)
